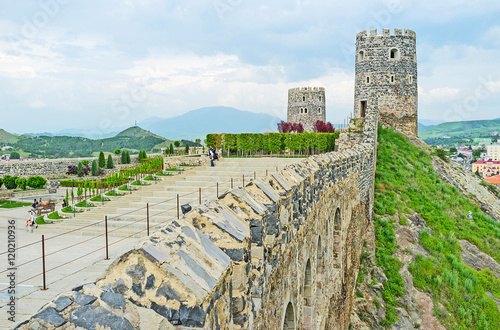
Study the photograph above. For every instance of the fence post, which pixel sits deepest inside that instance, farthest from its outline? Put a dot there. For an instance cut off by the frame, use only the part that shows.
(217, 190)
(254, 175)
(231, 183)
(266, 171)
(177, 206)
(199, 189)
(106, 227)
(43, 262)
(147, 216)
(243, 180)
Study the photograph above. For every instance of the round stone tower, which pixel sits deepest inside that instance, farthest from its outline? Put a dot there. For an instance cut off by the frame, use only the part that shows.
(306, 105)
(386, 69)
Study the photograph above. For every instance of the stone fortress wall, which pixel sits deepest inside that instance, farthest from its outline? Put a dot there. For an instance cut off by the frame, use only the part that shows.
(306, 105)
(281, 252)
(386, 67)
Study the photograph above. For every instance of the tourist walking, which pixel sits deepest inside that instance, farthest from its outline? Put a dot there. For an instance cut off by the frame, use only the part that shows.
(211, 154)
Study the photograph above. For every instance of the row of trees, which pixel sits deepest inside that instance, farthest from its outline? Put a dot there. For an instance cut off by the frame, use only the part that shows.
(13, 182)
(304, 143)
(148, 166)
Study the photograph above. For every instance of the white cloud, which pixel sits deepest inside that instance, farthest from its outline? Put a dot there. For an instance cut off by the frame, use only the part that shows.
(37, 104)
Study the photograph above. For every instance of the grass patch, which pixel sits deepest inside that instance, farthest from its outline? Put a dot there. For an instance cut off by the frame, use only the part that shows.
(113, 193)
(150, 178)
(99, 199)
(54, 216)
(162, 174)
(138, 183)
(405, 181)
(41, 221)
(173, 170)
(124, 188)
(67, 209)
(11, 205)
(83, 204)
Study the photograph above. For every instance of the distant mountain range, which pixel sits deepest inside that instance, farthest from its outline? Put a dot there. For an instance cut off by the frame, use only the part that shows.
(198, 123)
(191, 125)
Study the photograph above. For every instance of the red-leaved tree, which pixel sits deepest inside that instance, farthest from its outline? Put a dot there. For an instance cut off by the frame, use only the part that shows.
(284, 127)
(322, 127)
(297, 128)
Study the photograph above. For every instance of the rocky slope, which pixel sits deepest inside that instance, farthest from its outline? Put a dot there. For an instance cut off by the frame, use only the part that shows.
(427, 309)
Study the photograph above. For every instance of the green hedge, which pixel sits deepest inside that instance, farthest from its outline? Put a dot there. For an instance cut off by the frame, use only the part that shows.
(274, 142)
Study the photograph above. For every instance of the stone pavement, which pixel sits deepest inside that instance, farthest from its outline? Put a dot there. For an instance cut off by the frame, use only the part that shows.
(67, 268)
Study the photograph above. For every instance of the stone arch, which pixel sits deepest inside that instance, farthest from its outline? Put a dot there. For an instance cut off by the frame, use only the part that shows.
(308, 283)
(289, 319)
(337, 236)
(319, 277)
(307, 310)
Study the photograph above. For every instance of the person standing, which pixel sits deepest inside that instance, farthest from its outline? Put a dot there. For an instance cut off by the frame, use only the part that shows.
(211, 154)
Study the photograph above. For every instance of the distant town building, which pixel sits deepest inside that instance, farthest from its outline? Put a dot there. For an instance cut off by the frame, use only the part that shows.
(7, 148)
(494, 151)
(494, 133)
(493, 180)
(486, 168)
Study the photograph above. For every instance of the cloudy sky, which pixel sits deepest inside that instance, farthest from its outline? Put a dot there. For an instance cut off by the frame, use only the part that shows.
(104, 64)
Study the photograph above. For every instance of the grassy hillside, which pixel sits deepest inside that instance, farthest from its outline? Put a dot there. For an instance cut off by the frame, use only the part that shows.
(7, 138)
(133, 139)
(405, 185)
(461, 129)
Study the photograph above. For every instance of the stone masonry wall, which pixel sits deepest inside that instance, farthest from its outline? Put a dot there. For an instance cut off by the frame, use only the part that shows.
(57, 168)
(280, 253)
(306, 105)
(393, 81)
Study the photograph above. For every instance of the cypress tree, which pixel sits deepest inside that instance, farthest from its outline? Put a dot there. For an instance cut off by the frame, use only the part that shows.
(124, 157)
(144, 154)
(110, 162)
(102, 160)
(171, 149)
(187, 149)
(128, 157)
(94, 167)
(79, 170)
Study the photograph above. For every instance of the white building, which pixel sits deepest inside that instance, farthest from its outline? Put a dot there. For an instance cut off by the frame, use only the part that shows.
(493, 151)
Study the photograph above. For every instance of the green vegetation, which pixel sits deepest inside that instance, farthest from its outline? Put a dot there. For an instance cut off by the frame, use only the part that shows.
(462, 129)
(109, 163)
(133, 138)
(302, 143)
(84, 204)
(99, 198)
(54, 216)
(94, 168)
(15, 155)
(150, 178)
(41, 221)
(7, 138)
(113, 193)
(125, 188)
(102, 160)
(385, 240)
(138, 183)
(406, 182)
(12, 205)
(68, 209)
